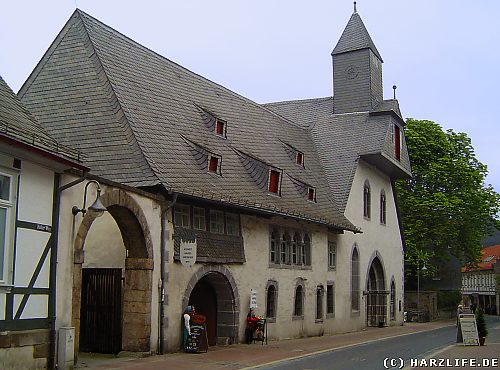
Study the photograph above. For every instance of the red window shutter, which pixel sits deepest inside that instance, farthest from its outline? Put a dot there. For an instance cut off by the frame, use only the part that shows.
(299, 158)
(310, 194)
(212, 164)
(397, 142)
(219, 129)
(274, 181)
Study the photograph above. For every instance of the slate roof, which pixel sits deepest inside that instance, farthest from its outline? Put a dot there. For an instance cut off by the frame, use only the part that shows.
(17, 123)
(342, 139)
(145, 120)
(355, 37)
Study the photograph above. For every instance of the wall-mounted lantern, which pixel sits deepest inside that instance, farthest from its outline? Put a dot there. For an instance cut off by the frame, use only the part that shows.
(97, 207)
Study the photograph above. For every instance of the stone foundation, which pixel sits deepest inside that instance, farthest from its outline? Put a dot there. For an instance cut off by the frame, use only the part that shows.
(28, 349)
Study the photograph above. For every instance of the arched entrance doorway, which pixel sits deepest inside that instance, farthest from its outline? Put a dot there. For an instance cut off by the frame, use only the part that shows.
(213, 293)
(376, 303)
(136, 292)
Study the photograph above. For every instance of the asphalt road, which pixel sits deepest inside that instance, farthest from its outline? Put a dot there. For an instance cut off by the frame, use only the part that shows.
(371, 356)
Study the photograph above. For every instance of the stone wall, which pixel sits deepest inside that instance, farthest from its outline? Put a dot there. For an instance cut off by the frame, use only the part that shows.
(24, 349)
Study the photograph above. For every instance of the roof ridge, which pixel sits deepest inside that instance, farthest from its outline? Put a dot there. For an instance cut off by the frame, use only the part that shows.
(298, 100)
(184, 69)
(126, 112)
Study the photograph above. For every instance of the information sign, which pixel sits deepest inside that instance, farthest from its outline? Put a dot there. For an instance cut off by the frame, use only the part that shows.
(468, 330)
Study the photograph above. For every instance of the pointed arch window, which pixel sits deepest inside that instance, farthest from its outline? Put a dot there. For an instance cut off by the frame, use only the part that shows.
(355, 280)
(383, 208)
(320, 291)
(392, 308)
(285, 249)
(298, 306)
(366, 200)
(271, 300)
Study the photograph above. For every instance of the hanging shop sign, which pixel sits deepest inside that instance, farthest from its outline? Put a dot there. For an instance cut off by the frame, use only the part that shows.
(188, 253)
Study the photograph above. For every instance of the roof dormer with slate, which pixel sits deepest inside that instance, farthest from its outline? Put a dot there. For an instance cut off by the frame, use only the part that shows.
(148, 122)
(357, 70)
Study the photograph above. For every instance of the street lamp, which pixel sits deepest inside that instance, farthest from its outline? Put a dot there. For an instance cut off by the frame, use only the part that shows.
(424, 268)
(97, 207)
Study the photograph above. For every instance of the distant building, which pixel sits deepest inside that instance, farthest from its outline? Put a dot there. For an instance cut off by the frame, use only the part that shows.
(293, 200)
(481, 283)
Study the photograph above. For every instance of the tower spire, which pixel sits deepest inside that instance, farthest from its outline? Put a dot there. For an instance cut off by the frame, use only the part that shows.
(355, 7)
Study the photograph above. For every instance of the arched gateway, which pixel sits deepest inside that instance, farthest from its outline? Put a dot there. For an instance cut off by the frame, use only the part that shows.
(134, 321)
(376, 303)
(212, 291)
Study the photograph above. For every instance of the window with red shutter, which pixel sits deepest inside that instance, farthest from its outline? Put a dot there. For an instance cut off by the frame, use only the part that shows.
(220, 128)
(213, 164)
(274, 181)
(299, 158)
(397, 142)
(310, 194)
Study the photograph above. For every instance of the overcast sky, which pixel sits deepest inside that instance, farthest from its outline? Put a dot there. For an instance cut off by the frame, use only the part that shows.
(443, 55)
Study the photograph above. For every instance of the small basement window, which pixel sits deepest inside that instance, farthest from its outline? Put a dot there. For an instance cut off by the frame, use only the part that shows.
(311, 195)
(220, 127)
(299, 158)
(274, 181)
(213, 164)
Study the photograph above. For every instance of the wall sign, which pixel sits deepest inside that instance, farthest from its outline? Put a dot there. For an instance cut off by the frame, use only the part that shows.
(188, 253)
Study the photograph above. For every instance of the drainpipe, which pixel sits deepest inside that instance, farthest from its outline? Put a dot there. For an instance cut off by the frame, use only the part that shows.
(53, 263)
(164, 245)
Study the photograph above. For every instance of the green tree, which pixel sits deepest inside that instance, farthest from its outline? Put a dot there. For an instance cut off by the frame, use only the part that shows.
(446, 206)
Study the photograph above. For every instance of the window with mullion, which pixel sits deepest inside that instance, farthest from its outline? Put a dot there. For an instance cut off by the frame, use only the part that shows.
(182, 215)
(7, 223)
(216, 221)
(199, 220)
(332, 255)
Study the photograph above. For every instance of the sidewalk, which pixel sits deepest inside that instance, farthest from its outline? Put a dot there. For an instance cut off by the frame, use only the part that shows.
(241, 356)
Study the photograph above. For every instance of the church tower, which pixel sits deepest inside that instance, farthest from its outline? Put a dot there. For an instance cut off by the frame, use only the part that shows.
(357, 69)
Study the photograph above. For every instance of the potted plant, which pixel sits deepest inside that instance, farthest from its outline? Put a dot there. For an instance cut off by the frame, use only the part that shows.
(481, 326)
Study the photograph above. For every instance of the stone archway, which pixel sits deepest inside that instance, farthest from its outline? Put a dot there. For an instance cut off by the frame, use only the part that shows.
(227, 300)
(376, 303)
(137, 240)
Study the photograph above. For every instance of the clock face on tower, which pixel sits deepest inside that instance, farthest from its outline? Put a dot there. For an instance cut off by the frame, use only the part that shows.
(351, 72)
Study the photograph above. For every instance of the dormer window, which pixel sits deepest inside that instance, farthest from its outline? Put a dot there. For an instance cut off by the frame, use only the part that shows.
(214, 164)
(274, 181)
(311, 194)
(299, 158)
(220, 127)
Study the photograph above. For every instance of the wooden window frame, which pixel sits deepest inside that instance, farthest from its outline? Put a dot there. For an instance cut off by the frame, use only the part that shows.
(274, 181)
(198, 217)
(214, 221)
(9, 204)
(332, 255)
(330, 299)
(178, 213)
(299, 159)
(219, 123)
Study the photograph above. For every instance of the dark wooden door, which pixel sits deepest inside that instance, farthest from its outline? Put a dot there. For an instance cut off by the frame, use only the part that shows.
(101, 310)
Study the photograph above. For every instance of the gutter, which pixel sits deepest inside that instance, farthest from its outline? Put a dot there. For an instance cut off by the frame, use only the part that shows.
(53, 263)
(164, 246)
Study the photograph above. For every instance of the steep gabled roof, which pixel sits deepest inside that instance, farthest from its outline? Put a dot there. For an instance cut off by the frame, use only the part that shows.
(342, 139)
(136, 109)
(17, 125)
(355, 37)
